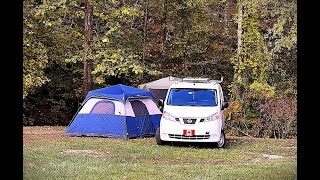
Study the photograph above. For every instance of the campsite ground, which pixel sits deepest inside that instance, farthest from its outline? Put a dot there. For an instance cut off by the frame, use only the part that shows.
(48, 154)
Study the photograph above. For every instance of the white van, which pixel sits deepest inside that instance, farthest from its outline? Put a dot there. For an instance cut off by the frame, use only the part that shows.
(193, 112)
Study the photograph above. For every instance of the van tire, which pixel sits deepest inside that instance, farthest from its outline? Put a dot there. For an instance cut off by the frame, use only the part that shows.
(222, 141)
(158, 140)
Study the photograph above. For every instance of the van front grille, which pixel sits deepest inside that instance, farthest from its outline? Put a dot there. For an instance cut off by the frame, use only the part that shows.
(189, 121)
(195, 137)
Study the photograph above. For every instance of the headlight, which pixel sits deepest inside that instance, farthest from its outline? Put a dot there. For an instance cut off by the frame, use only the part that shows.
(168, 116)
(213, 117)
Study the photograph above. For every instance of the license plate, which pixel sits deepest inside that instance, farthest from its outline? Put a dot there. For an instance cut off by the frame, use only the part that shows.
(188, 132)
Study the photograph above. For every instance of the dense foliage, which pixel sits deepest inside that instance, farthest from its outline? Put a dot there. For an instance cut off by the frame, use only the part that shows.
(253, 44)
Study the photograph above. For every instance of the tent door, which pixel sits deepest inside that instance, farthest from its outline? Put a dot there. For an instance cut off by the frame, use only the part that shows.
(144, 123)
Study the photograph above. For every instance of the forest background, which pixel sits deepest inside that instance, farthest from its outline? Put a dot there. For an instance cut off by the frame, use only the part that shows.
(71, 47)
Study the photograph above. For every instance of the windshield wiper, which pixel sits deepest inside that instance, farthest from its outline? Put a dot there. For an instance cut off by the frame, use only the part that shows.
(176, 104)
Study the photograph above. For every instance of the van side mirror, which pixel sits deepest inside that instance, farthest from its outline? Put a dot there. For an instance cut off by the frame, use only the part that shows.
(225, 104)
(160, 103)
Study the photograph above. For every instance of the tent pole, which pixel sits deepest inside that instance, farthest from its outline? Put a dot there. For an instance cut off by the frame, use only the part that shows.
(125, 120)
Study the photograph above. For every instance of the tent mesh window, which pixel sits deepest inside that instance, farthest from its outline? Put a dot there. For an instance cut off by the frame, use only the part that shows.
(103, 107)
(142, 116)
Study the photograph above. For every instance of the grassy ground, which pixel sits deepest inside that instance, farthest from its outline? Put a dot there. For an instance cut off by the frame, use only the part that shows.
(48, 154)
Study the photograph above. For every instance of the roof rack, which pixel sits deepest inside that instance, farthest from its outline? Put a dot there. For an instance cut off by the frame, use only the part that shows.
(217, 81)
(195, 80)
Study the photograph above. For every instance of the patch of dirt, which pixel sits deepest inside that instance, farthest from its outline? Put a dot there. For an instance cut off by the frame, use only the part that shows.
(290, 147)
(31, 133)
(272, 156)
(255, 160)
(211, 161)
(175, 162)
(87, 152)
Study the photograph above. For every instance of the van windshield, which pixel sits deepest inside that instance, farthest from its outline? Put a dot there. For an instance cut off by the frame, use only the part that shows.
(192, 97)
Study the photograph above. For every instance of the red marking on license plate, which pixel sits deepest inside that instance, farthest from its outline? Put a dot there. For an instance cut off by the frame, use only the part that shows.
(188, 132)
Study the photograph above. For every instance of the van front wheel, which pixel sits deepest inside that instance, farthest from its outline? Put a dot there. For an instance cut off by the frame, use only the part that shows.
(158, 140)
(221, 142)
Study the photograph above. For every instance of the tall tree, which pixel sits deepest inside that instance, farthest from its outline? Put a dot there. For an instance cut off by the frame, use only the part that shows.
(87, 65)
(239, 31)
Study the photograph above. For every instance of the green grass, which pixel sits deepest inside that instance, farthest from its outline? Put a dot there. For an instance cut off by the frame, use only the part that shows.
(59, 157)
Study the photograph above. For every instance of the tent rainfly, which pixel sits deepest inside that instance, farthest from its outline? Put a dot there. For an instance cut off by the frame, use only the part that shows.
(159, 88)
(116, 111)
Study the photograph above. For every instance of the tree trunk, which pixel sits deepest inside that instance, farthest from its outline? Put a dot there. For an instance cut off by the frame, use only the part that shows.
(145, 31)
(163, 31)
(240, 20)
(87, 66)
(226, 18)
(183, 28)
(144, 34)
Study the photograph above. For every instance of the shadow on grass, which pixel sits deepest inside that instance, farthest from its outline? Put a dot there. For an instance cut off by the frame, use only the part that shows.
(111, 136)
(231, 143)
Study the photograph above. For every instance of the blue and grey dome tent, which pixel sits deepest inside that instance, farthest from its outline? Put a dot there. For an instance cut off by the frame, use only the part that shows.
(116, 111)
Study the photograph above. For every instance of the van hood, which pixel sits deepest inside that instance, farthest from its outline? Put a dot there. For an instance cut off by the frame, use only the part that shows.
(191, 111)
